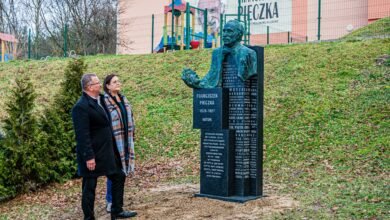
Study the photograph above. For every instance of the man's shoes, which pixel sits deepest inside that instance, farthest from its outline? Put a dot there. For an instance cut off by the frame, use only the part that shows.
(108, 207)
(124, 214)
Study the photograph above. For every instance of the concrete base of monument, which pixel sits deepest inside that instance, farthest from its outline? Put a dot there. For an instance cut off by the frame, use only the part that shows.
(239, 199)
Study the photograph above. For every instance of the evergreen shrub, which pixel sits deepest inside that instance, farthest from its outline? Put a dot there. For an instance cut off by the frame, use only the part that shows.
(23, 166)
(38, 150)
(57, 122)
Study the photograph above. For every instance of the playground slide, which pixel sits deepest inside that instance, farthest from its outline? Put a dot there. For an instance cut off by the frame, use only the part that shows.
(160, 47)
(7, 57)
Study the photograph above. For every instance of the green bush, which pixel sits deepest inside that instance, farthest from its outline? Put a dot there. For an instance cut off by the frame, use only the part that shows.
(23, 162)
(57, 122)
(35, 151)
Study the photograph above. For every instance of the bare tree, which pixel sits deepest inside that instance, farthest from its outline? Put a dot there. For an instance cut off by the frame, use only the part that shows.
(8, 16)
(31, 14)
(11, 20)
(54, 16)
(92, 24)
(1, 16)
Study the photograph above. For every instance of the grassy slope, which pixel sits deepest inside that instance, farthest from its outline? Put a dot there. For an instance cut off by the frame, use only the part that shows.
(326, 117)
(380, 28)
(327, 120)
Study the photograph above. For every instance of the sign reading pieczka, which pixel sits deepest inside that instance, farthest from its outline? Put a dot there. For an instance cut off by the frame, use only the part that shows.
(277, 14)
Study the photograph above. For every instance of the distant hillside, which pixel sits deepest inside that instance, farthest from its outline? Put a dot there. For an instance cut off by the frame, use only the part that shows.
(326, 117)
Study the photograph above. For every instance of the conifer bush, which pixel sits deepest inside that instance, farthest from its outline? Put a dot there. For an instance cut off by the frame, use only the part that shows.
(38, 150)
(57, 122)
(23, 164)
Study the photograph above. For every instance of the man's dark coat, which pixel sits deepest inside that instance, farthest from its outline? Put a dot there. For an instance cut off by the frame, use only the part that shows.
(94, 138)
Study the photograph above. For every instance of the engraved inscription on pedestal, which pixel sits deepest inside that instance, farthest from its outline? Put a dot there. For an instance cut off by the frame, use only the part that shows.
(241, 110)
(216, 161)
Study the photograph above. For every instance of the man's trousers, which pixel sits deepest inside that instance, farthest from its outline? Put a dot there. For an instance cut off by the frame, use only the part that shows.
(88, 194)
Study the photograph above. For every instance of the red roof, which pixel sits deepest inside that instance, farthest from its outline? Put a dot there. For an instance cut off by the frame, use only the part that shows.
(8, 37)
(182, 7)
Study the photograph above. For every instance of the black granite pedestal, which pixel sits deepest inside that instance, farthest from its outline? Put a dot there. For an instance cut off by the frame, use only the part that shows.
(231, 123)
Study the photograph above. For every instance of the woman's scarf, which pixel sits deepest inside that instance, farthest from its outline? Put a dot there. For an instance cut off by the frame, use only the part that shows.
(127, 157)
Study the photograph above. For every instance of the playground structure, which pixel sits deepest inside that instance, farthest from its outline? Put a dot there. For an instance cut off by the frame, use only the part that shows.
(183, 33)
(8, 43)
(177, 11)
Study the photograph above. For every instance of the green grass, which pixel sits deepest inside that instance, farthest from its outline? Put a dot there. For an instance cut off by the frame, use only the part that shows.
(326, 126)
(380, 28)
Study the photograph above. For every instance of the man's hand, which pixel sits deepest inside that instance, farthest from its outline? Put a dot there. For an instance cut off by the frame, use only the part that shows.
(91, 164)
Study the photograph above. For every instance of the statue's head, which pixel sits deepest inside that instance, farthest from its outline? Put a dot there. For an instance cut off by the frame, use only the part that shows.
(232, 32)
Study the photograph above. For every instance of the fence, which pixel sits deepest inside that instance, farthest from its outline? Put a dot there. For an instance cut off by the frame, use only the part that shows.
(64, 44)
(266, 22)
(297, 21)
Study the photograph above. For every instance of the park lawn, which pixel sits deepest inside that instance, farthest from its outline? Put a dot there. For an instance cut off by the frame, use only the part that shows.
(326, 125)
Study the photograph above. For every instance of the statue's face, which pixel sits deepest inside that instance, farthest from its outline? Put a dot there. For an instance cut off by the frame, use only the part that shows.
(231, 34)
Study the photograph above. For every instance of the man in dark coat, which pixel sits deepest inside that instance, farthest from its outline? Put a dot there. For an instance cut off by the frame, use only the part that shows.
(96, 155)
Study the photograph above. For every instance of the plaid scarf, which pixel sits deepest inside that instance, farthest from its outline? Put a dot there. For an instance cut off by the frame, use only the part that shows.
(127, 157)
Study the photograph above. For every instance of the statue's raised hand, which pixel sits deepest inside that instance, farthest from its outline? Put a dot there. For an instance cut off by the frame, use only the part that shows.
(190, 77)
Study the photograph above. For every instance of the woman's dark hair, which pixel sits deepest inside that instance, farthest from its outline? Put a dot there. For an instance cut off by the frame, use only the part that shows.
(107, 81)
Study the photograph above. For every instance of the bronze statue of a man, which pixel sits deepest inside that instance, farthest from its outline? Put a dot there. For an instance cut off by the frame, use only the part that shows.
(244, 57)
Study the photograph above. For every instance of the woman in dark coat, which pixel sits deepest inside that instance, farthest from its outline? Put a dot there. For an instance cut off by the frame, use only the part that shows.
(122, 123)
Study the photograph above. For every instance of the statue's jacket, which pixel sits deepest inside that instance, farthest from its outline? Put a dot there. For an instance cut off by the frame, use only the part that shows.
(246, 61)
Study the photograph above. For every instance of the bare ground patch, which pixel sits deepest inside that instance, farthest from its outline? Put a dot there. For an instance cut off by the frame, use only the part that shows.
(178, 202)
(166, 201)
(149, 195)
